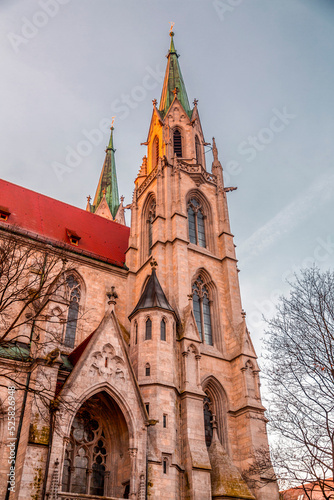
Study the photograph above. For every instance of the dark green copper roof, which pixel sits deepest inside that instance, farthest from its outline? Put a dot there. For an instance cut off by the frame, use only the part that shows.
(108, 181)
(173, 79)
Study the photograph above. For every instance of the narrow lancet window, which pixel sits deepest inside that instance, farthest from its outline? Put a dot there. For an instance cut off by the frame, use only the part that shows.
(155, 152)
(177, 143)
(202, 310)
(148, 330)
(163, 330)
(196, 223)
(73, 290)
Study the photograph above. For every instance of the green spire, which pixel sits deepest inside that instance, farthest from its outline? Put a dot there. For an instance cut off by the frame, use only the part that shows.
(108, 181)
(173, 80)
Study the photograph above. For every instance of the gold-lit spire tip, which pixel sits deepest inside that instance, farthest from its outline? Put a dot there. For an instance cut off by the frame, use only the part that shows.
(171, 28)
(112, 122)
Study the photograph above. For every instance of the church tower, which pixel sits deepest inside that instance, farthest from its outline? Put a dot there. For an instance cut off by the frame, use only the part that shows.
(189, 344)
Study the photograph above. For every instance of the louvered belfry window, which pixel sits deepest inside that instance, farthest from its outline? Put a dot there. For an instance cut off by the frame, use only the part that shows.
(196, 223)
(177, 143)
(202, 310)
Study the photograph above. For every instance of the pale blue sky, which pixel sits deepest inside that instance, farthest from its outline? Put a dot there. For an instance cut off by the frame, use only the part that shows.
(246, 61)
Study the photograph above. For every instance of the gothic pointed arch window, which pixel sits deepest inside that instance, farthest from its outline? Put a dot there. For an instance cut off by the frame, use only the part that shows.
(155, 152)
(196, 223)
(177, 143)
(84, 469)
(98, 441)
(198, 150)
(147, 219)
(148, 329)
(163, 329)
(215, 404)
(207, 408)
(73, 292)
(202, 306)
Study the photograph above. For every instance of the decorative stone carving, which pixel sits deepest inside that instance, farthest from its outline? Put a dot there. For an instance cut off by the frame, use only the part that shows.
(106, 364)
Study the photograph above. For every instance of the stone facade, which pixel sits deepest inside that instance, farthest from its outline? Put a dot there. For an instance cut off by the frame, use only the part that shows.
(162, 400)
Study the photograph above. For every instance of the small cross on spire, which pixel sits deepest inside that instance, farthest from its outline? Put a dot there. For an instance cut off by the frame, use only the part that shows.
(195, 102)
(89, 198)
(175, 91)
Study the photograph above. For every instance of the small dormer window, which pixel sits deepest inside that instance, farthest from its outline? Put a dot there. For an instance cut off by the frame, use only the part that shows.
(4, 213)
(73, 237)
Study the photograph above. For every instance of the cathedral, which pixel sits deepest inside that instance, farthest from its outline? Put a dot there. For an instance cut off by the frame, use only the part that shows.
(154, 388)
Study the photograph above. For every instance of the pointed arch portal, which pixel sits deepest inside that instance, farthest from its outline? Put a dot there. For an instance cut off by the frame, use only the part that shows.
(97, 460)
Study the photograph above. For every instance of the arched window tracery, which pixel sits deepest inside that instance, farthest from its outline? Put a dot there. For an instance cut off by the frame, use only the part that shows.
(177, 143)
(215, 404)
(196, 222)
(202, 310)
(207, 408)
(73, 292)
(86, 454)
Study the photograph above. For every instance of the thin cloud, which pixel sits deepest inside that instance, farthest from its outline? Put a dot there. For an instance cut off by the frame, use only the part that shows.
(308, 202)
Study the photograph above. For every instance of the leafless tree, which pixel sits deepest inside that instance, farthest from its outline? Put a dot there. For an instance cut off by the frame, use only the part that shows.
(299, 370)
(33, 279)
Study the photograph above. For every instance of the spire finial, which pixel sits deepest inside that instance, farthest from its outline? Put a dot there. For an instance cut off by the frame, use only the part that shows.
(175, 91)
(172, 24)
(89, 198)
(195, 102)
(214, 150)
(112, 122)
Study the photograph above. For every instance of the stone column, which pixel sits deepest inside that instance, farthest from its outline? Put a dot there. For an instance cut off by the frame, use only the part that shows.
(133, 465)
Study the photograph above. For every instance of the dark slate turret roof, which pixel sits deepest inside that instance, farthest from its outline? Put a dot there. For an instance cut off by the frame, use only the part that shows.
(152, 296)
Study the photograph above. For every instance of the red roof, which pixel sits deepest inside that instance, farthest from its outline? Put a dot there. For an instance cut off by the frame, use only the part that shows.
(43, 218)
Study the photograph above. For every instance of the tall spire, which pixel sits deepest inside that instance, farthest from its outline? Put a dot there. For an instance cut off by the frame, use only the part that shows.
(107, 186)
(173, 82)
